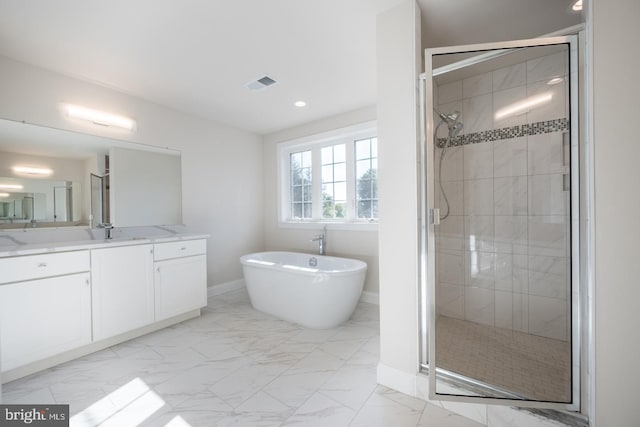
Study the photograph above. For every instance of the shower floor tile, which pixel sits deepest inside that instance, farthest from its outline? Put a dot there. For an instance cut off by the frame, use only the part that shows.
(528, 365)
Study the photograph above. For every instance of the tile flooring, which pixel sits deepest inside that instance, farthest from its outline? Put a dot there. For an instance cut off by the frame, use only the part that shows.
(525, 364)
(234, 366)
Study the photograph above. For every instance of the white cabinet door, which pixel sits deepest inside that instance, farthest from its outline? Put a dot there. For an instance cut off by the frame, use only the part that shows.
(181, 285)
(44, 317)
(122, 297)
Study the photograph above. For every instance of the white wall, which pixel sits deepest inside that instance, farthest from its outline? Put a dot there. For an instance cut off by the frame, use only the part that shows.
(361, 245)
(398, 57)
(616, 92)
(221, 166)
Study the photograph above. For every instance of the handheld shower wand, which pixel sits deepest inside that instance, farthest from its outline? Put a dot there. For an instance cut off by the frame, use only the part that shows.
(455, 126)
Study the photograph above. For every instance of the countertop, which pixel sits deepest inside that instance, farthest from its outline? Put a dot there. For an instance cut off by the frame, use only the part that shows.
(40, 241)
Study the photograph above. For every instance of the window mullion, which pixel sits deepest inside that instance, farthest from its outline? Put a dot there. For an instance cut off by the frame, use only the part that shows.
(316, 183)
(351, 180)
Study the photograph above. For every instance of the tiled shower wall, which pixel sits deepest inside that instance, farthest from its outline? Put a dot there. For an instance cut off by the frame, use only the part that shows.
(503, 252)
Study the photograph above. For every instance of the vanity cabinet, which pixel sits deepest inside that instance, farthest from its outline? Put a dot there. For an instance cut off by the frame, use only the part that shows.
(45, 306)
(123, 294)
(180, 277)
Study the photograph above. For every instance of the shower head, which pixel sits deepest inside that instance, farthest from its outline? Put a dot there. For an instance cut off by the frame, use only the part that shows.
(455, 129)
(450, 118)
(454, 125)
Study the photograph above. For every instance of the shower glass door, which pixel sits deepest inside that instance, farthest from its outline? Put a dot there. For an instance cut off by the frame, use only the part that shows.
(501, 189)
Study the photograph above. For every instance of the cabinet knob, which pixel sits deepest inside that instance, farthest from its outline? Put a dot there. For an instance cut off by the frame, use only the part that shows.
(183, 248)
(42, 264)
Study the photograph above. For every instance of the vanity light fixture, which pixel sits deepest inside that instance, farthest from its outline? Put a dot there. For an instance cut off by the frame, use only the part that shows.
(32, 171)
(11, 187)
(523, 106)
(300, 104)
(99, 117)
(4, 194)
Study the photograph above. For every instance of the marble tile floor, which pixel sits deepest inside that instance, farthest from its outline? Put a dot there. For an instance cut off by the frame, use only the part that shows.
(234, 366)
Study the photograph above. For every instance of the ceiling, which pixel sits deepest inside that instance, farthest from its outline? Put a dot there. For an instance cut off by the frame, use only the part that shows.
(196, 56)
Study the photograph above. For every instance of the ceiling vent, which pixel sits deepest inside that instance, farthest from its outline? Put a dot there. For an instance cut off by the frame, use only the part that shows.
(261, 83)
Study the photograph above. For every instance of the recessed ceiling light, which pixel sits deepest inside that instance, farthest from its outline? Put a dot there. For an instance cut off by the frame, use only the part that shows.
(300, 104)
(555, 81)
(577, 6)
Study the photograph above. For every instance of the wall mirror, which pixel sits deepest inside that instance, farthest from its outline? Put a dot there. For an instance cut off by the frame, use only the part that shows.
(502, 289)
(73, 181)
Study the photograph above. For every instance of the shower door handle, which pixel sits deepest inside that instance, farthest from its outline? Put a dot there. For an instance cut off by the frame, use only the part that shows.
(434, 216)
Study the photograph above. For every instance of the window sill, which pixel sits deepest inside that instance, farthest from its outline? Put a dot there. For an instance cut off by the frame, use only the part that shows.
(315, 225)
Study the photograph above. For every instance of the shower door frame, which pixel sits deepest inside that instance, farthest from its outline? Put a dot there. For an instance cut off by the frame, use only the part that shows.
(431, 216)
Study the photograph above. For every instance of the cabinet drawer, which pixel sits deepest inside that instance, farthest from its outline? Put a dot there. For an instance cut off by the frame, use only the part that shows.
(179, 249)
(17, 269)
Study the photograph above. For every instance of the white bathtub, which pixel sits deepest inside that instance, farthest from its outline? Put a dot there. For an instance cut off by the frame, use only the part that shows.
(287, 285)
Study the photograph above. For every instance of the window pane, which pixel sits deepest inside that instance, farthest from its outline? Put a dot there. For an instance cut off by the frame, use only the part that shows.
(340, 191)
(363, 149)
(306, 159)
(338, 153)
(327, 173)
(362, 168)
(366, 178)
(300, 168)
(364, 209)
(296, 193)
(328, 210)
(306, 193)
(296, 160)
(327, 155)
(307, 210)
(341, 209)
(340, 172)
(296, 211)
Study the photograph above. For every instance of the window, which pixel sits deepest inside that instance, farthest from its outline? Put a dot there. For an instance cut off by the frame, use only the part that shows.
(367, 178)
(330, 178)
(334, 181)
(300, 167)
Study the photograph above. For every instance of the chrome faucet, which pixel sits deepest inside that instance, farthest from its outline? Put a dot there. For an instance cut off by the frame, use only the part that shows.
(322, 240)
(108, 227)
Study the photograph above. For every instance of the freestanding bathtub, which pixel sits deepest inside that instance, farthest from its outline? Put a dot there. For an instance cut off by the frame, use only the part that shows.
(315, 291)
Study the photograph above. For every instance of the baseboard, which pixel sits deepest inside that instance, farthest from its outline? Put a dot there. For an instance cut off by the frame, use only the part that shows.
(370, 297)
(397, 380)
(223, 288)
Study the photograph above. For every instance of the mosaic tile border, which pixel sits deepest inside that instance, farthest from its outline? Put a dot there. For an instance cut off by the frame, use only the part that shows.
(549, 126)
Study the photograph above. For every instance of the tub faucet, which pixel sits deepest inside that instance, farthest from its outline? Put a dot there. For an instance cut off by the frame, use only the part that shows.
(322, 240)
(108, 227)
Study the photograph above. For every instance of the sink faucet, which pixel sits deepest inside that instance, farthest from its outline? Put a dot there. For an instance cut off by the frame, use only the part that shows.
(322, 240)
(107, 229)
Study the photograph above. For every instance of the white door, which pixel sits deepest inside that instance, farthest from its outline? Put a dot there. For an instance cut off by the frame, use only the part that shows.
(501, 179)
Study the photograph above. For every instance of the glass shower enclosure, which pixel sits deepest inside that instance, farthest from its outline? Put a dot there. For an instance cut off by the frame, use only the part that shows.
(500, 293)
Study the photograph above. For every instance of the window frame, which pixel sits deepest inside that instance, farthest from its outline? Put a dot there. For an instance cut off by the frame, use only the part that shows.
(315, 143)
